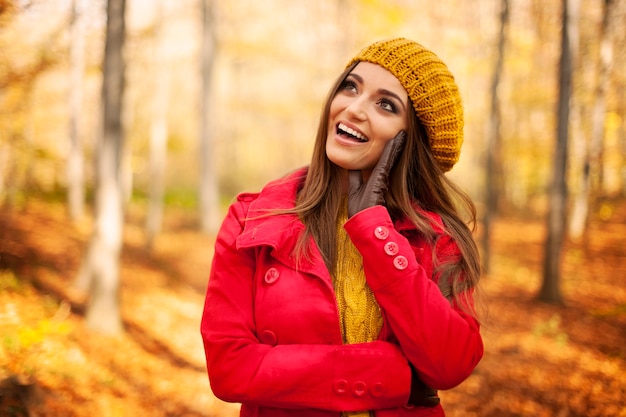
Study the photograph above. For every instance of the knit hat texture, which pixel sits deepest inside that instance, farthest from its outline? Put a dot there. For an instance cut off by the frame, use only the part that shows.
(432, 89)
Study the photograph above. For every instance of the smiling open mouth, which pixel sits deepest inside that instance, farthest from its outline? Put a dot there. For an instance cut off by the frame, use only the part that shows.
(345, 131)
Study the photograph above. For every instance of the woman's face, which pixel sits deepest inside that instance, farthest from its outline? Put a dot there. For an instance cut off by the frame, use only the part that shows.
(369, 109)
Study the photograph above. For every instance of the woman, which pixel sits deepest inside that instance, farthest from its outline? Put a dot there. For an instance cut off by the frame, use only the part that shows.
(345, 288)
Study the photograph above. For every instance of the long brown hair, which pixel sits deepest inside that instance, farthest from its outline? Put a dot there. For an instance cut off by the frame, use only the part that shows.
(415, 180)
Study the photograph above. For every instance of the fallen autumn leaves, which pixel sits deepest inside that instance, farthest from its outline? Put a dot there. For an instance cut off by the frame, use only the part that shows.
(540, 360)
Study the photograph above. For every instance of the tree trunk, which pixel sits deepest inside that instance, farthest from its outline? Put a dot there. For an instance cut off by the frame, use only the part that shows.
(75, 160)
(550, 289)
(621, 131)
(100, 269)
(605, 63)
(209, 192)
(592, 178)
(4, 163)
(493, 169)
(158, 131)
(580, 206)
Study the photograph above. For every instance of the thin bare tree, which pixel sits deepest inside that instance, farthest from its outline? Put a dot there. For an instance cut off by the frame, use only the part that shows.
(159, 129)
(493, 168)
(621, 109)
(592, 164)
(208, 184)
(75, 168)
(550, 289)
(100, 270)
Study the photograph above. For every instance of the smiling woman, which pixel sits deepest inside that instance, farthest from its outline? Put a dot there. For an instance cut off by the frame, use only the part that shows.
(367, 112)
(346, 287)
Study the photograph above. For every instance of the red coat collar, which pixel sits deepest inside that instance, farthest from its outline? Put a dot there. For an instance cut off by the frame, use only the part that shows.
(279, 231)
(261, 227)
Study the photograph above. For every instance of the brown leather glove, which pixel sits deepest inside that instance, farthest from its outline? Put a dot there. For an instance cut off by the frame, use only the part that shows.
(372, 193)
(421, 394)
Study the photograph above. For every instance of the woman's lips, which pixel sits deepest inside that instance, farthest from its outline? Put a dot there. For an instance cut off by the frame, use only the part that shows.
(347, 132)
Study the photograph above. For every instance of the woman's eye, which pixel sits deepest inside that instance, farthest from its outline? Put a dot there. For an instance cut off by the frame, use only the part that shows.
(349, 86)
(387, 105)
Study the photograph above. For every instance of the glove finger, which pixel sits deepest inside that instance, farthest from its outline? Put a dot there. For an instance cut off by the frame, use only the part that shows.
(391, 151)
(355, 189)
(355, 182)
(397, 144)
(387, 159)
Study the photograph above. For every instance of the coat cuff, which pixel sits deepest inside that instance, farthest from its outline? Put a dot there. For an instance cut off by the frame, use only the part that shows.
(372, 377)
(386, 252)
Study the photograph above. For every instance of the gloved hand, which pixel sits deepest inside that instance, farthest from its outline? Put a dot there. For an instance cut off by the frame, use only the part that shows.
(421, 394)
(372, 193)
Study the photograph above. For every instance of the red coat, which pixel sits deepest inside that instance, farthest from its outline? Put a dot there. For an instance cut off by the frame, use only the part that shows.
(271, 330)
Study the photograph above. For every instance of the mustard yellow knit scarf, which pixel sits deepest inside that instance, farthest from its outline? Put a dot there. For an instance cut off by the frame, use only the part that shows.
(360, 316)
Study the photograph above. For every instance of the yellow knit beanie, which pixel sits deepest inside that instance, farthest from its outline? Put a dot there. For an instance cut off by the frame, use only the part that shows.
(432, 89)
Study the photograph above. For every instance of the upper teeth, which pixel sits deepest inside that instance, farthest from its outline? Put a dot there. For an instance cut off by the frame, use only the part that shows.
(351, 131)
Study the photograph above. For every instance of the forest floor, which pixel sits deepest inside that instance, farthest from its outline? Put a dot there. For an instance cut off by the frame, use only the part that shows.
(540, 359)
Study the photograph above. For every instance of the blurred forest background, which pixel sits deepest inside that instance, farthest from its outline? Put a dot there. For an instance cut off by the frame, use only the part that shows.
(166, 109)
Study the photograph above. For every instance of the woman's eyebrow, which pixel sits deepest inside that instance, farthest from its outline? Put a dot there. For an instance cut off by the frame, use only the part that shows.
(357, 76)
(382, 91)
(392, 94)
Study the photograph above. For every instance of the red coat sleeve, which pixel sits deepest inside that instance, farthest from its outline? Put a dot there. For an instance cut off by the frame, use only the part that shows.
(441, 341)
(323, 376)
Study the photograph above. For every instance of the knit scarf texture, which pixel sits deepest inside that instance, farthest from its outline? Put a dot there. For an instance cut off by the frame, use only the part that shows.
(359, 313)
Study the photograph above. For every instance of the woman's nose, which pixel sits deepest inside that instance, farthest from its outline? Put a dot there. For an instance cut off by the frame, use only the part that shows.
(356, 108)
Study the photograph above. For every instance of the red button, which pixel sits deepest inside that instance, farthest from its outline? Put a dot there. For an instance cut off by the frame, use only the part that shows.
(359, 388)
(391, 248)
(377, 390)
(268, 337)
(271, 275)
(341, 386)
(400, 262)
(381, 232)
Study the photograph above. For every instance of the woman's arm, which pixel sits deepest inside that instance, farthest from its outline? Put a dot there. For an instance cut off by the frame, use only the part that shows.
(441, 341)
(242, 369)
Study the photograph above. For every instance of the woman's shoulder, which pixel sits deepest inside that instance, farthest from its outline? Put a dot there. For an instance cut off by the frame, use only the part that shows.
(433, 219)
(278, 194)
(291, 180)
